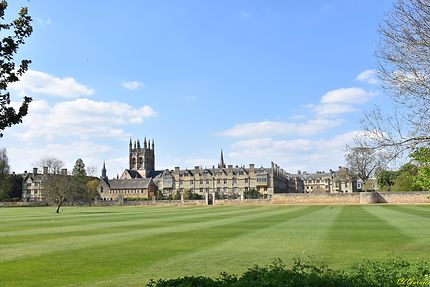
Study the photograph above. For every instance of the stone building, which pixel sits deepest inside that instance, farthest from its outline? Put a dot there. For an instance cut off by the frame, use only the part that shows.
(327, 182)
(142, 180)
(32, 184)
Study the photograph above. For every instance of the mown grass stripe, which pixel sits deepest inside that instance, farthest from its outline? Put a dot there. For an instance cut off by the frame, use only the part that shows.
(235, 253)
(416, 227)
(152, 247)
(76, 242)
(58, 225)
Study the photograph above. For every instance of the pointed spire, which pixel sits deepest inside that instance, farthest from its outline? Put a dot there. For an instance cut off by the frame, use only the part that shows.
(153, 146)
(135, 144)
(144, 144)
(221, 161)
(138, 144)
(130, 145)
(104, 170)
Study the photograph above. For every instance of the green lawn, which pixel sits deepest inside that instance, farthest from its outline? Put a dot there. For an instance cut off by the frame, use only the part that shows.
(126, 246)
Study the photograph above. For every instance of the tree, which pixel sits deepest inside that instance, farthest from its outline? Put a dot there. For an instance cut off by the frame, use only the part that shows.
(92, 189)
(362, 162)
(405, 178)
(53, 164)
(252, 194)
(403, 57)
(5, 182)
(386, 179)
(20, 29)
(59, 189)
(80, 180)
(422, 157)
(79, 168)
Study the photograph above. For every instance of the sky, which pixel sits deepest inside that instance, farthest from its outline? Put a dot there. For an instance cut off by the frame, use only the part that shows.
(283, 81)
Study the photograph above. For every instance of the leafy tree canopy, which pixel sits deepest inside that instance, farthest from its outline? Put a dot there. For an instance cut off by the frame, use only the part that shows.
(15, 34)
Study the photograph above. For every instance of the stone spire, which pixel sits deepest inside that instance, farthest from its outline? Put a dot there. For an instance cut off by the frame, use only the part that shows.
(221, 163)
(144, 144)
(104, 170)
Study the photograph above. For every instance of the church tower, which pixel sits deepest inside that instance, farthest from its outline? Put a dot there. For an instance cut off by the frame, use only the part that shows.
(142, 159)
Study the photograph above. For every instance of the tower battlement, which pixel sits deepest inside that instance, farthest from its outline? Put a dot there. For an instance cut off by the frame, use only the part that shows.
(142, 158)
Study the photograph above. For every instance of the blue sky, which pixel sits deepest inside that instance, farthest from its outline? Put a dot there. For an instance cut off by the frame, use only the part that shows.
(283, 81)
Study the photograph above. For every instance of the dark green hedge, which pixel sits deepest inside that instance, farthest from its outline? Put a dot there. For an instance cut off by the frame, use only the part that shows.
(389, 273)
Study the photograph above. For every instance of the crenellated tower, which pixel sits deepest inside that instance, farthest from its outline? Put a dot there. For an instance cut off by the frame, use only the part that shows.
(142, 159)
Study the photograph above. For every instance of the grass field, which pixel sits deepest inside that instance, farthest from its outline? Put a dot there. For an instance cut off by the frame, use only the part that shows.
(126, 246)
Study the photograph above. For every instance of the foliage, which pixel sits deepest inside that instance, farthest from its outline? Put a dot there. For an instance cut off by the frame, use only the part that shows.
(176, 195)
(137, 199)
(252, 194)
(422, 157)
(92, 185)
(405, 178)
(392, 272)
(5, 183)
(386, 178)
(188, 195)
(9, 73)
(403, 56)
(79, 168)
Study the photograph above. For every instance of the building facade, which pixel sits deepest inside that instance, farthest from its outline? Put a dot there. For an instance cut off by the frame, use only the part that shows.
(32, 184)
(141, 180)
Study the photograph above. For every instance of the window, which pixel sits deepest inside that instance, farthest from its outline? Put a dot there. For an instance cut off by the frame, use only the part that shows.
(262, 177)
(201, 181)
(207, 181)
(191, 182)
(246, 180)
(218, 181)
(225, 181)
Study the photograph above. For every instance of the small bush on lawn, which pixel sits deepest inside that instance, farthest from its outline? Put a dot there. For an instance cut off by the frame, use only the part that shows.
(392, 272)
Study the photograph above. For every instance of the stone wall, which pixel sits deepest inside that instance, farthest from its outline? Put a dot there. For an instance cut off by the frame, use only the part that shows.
(245, 201)
(352, 198)
(404, 197)
(316, 198)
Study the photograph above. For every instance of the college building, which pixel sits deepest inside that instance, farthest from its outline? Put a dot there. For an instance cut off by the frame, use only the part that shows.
(142, 180)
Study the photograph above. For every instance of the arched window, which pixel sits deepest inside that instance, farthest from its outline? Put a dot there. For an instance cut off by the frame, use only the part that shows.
(134, 160)
(140, 160)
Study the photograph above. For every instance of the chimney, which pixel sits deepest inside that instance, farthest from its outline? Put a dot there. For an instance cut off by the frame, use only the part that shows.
(34, 170)
(251, 168)
(64, 171)
(45, 170)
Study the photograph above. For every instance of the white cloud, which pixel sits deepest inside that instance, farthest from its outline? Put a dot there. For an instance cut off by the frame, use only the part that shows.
(89, 152)
(82, 118)
(35, 82)
(346, 96)
(269, 128)
(292, 155)
(368, 76)
(334, 109)
(132, 85)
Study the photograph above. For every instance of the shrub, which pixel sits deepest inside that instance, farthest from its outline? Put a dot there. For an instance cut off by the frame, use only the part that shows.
(392, 272)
